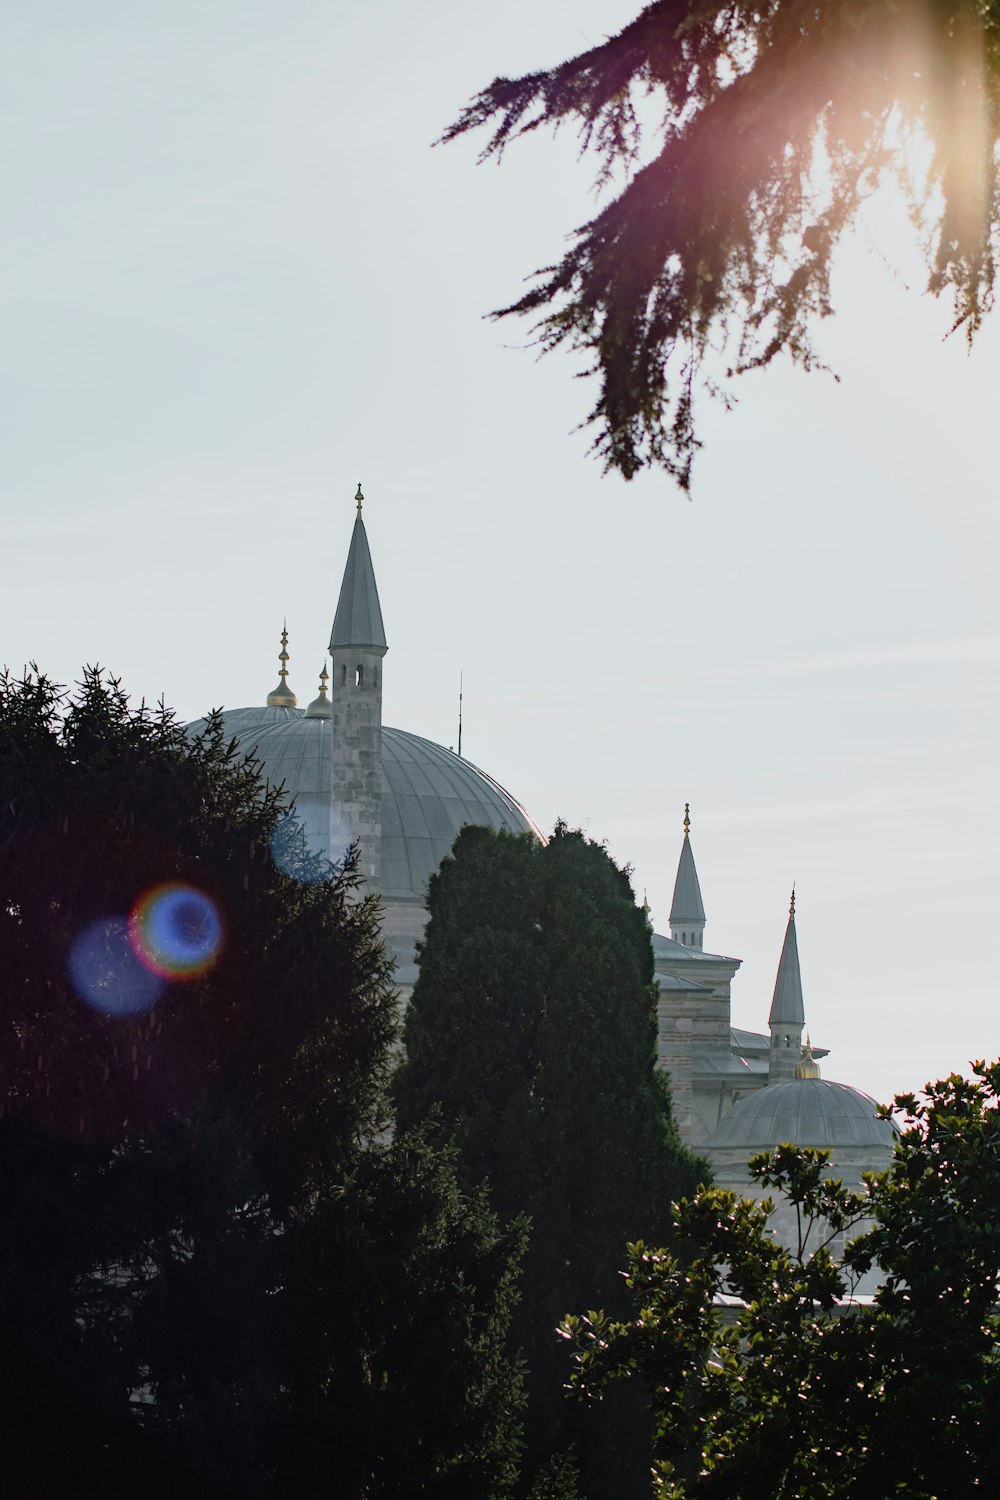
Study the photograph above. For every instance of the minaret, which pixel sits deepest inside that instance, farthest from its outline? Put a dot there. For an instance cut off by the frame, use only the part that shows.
(357, 645)
(282, 696)
(687, 913)
(788, 1017)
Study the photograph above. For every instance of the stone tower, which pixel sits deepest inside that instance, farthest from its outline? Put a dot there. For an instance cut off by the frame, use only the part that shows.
(357, 646)
(788, 1016)
(687, 912)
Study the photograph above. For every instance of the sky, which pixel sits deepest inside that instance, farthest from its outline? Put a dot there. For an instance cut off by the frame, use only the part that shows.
(237, 279)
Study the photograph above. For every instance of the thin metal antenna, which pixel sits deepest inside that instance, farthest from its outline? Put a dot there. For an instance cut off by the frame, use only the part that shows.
(460, 680)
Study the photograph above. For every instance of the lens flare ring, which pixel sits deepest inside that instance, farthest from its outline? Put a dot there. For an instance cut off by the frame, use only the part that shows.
(176, 931)
(108, 974)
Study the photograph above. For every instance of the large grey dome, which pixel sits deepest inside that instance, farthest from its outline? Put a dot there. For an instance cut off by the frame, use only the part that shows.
(807, 1112)
(428, 793)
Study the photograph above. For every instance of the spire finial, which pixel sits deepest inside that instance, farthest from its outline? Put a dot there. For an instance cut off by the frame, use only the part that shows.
(321, 707)
(359, 497)
(791, 905)
(687, 819)
(807, 1066)
(282, 696)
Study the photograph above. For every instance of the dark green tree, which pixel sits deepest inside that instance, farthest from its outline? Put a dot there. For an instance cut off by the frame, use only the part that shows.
(531, 1037)
(210, 1248)
(739, 141)
(792, 1394)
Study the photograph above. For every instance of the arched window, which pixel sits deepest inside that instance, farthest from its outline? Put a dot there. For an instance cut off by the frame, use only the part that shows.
(684, 938)
(359, 677)
(343, 676)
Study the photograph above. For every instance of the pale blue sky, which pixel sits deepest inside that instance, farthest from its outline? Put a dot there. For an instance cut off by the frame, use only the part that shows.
(236, 280)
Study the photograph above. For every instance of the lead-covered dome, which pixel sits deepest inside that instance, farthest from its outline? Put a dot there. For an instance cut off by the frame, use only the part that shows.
(807, 1112)
(428, 793)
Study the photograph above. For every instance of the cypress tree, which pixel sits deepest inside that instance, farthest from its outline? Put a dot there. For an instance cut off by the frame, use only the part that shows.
(531, 1035)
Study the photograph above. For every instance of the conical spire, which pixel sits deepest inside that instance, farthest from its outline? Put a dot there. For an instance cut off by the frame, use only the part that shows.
(358, 621)
(786, 1007)
(282, 696)
(687, 911)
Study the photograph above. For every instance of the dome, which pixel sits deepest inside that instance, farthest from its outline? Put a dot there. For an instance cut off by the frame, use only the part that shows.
(807, 1112)
(428, 793)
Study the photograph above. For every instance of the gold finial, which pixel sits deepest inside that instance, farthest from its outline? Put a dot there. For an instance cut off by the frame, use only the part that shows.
(791, 905)
(282, 696)
(321, 707)
(807, 1066)
(359, 497)
(687, 819)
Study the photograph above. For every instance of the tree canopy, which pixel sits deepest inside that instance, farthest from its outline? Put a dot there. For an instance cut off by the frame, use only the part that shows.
(739, 141)
(218, 1274)
(531, 1036)
(792, 1391)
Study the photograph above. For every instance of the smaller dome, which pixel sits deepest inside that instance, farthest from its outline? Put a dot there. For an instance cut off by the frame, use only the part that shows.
(321, 707)
(806, 1111)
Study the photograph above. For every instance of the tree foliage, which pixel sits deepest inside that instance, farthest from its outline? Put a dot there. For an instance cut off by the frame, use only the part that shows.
(531, 1036)
(789, 1394)
(216, 1272)
(740, 141)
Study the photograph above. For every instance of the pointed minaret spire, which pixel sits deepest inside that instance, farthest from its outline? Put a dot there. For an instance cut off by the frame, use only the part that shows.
(788, 1018)
(282, 696)
(358, 621)
(357, 645)
(687, 912)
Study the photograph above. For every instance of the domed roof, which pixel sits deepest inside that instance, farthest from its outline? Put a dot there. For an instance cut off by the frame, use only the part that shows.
(806, 1111)
(428, 793)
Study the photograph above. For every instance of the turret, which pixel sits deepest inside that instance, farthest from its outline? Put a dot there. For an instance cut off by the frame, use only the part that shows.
(787, 1018)
(357, 646)
(687, 913)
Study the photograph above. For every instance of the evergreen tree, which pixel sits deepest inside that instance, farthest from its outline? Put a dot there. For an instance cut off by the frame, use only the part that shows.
(209, 1246)
(745, 138)
(531, 1036)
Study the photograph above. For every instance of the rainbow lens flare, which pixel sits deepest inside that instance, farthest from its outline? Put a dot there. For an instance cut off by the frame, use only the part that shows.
(108, 974)
(176, 931)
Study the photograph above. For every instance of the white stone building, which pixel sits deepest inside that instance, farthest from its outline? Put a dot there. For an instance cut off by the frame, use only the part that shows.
(405, 799)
